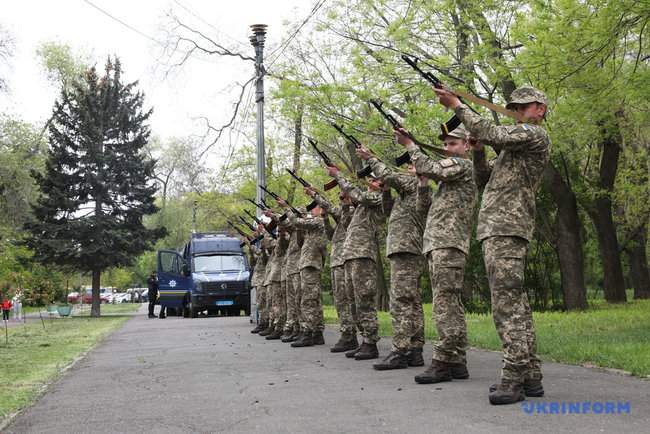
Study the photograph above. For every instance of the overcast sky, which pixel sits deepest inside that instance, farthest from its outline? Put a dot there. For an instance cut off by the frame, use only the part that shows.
(203, 87)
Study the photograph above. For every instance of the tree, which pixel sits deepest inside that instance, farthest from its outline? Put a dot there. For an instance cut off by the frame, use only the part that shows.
(97, 183)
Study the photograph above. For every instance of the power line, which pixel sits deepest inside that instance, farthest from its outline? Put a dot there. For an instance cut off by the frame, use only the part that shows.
(200, 18)
(123, 23)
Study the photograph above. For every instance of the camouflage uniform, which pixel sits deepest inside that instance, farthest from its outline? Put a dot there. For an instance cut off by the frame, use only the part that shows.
(404, 251)
(292, 268)
(360, 254)
(312, 258)
(259, 272)
(342, 294)
(279, 288)
(446, 245)
(505, 227)
(268, 290)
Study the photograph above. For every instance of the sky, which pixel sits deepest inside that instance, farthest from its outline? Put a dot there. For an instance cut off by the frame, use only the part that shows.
(202, 87)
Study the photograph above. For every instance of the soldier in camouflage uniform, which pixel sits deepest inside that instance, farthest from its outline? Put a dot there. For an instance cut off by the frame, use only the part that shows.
(360, 254)
(505, 227)
(446, 246)
(270, 265)
(259, 272)
(404, 251)
(342, 294)
(292, 269)
(278, 294)
(312, 259)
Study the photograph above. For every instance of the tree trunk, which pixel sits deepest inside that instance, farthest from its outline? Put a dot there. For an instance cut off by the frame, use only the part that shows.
(297, 141)
(568, 244)
(636, 253)
(601, 214)
(96, 302)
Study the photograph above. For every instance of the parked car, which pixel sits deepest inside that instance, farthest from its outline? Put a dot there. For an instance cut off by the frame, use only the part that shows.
(105, 295)
(73, 297)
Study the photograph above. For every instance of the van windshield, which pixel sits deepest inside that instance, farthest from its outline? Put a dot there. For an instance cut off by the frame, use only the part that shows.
(216, 263)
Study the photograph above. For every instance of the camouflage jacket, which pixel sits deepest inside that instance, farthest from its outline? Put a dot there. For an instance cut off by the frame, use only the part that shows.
(405, 225)
(314, 245)
(272, 269)
(360, 240)
(342, 215)
(451, 214)
(259, 269)
(295, 245)
(508, 204)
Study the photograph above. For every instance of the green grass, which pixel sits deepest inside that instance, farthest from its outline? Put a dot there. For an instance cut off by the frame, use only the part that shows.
(611, 336)
(35, 356)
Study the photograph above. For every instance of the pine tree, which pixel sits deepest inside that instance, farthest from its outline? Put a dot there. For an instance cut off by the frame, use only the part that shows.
(97, 184)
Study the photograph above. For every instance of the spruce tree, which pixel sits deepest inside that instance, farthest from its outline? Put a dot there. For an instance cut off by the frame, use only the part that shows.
(97, 184)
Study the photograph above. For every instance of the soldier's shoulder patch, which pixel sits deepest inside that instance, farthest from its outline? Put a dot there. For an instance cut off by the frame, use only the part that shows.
(447, 162)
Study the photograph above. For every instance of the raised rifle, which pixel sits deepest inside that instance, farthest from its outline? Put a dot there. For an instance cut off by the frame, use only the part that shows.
(361, 173)
(326, 160)
(313, 204)
(413, 63)
(278, 198)
(405, 157)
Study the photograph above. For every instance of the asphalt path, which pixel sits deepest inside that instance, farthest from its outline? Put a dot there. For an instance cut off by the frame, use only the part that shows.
(211, 375)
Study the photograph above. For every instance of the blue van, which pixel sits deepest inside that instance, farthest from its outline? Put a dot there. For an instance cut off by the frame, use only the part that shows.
(210, 275)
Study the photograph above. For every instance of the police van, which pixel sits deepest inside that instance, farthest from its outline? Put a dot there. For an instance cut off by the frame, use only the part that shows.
(211, 274)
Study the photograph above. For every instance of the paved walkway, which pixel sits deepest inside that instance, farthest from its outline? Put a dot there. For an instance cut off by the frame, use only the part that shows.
(212, 375)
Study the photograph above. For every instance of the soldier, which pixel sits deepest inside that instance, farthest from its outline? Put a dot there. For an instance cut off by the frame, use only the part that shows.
(270, 264)
(446, 246)
(404, 251)
(261, 258)
(342, 294)
(312, 259)
(278, 297)
(505, 227)
(360, 254)
(292, 269)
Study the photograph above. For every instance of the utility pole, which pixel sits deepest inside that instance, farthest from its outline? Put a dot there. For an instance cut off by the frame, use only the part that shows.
(195, 205)
(257, 40)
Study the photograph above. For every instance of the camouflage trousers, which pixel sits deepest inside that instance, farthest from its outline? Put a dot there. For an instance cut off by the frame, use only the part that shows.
(343, 301)
(278, 305)
(293, 303)
(361, 276)
(262, 302)
(406, 301)
(447, 269)
(513, 318)
(310, 303)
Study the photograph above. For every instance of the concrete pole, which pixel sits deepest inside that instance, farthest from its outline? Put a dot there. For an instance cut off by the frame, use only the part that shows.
(257, 40)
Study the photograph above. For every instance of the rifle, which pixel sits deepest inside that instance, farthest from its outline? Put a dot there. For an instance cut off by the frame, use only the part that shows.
(278, 198)
(405, 158)
(243, 234)
(461, 94)
(313, 204)
(326, 160)
(361, 173)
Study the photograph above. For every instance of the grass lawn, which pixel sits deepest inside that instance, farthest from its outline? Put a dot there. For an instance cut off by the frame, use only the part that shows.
(612, 336)
(35, 356)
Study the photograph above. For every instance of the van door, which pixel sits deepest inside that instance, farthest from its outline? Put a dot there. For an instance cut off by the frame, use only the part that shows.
(174, 286)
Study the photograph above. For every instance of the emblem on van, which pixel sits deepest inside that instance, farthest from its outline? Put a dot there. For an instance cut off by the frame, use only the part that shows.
(172, 283)
(224, 286)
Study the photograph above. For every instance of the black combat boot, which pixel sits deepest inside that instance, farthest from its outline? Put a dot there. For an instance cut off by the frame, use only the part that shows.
(507, 393)
(260, 326)
(459, 371)
(277, 334)
(347, 342)
(286, 334)
(367, 352)
(394, 360)
(293, 336)
(436, 373)
(318, 338)
(352, 353)
(267, 331)
(306, 340)
(414, 356)
(532, 388)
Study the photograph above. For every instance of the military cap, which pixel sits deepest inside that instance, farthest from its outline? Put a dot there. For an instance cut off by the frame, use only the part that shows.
(525, 95)
(459, 132)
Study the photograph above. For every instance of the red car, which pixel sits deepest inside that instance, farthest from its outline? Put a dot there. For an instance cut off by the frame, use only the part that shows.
(87, 298)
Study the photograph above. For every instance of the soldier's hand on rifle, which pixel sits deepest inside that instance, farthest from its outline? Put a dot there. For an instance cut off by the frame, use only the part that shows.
(447, 98)
(268, 213)
(309, 191)
(282, 202)
(332, 171)
(402, 137)
(260, 228)
(412, 170)
(475, 144)
(424, 181)
(363, 153)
